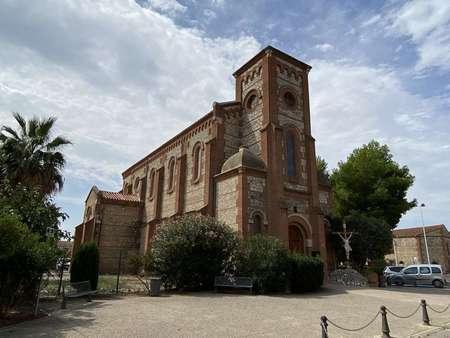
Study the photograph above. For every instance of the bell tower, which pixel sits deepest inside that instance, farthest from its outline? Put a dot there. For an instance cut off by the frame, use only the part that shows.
(275, 125)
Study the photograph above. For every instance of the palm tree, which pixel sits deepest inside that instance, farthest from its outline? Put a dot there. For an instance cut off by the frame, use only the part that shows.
(30, 157)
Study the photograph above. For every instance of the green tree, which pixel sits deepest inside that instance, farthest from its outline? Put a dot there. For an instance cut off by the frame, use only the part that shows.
(24, 256)
(372, 238)
(370, 182)
(30, 156)
(85, 264)
(323, 174)
(33, 208)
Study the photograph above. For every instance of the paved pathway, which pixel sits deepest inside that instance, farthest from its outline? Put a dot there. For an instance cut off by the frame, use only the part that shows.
(224, 315)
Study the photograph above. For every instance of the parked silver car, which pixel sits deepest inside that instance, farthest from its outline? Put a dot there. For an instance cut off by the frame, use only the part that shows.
(419, 274)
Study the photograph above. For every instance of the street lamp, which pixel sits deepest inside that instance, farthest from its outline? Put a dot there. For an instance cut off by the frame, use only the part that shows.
(424, 232)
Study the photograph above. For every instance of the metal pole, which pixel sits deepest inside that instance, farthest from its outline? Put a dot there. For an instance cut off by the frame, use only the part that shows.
(384, 323)
(118, 271)
(36, 308)
(395, 251)
(61, 273)
(424, 233)
(425, 318)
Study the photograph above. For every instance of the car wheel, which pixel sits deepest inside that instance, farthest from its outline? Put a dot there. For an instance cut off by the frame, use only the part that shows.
(438, 284)
(398, 282)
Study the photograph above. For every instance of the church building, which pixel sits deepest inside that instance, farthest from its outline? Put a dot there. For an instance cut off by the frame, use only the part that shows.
(250, 163)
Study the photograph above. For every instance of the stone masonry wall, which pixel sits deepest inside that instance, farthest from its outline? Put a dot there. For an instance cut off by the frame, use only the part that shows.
(226, 197)
(118, 232)
(406, 249)
(289, 80)
(256, 202)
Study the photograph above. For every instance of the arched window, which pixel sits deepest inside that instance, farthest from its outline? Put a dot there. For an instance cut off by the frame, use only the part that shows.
(151, 183)
(171, 174)
(290, 153)
(256, 226)
(197, 162)
(136, 184)
(88, 213)
(289, 99)
(128, 189)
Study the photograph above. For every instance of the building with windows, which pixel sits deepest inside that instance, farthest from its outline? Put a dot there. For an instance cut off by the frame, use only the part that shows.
(409, 246)
(249, 162)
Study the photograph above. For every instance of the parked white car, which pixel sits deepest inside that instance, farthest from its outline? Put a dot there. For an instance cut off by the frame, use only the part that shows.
(419, 274)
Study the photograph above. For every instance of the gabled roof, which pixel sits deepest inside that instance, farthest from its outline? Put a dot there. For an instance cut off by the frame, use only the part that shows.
(417, 231)
(117, 196)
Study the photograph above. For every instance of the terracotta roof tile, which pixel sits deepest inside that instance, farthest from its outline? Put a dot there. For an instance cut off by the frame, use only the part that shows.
(117, 196)
(417, 231)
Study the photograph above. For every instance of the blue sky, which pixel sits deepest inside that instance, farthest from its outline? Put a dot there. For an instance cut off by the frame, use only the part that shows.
(123, 76)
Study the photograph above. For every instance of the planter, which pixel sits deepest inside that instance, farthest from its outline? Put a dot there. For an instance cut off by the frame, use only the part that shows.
(155, 286)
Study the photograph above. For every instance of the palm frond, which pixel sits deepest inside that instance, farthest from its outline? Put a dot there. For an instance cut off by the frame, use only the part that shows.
(21, 121)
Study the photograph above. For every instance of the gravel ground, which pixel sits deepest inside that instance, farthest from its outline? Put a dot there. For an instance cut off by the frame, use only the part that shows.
(226, 315)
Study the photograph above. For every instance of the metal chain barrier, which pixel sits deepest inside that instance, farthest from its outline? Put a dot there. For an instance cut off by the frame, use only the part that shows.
(357, 329)
(404, 317)
(439, 311)
(385, 330)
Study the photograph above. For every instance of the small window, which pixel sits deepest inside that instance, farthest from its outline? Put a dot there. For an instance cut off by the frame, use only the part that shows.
(171, 174)
(425, 270)
(396, 268)
(151, 183)
(435, 269)
(251, 102)
(289, 99)
(197, 162)
(256, 227)
(410, 271)
(128, 189)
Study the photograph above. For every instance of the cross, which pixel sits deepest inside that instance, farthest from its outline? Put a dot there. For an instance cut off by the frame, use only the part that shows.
(345, 236)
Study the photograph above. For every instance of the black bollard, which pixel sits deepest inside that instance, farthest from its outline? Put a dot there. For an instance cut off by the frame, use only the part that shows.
(384, 323)
(425, 318)
(63, 302)
(324, 326)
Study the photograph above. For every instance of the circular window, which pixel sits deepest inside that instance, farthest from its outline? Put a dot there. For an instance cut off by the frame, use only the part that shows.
(251, 102)
(289, 99)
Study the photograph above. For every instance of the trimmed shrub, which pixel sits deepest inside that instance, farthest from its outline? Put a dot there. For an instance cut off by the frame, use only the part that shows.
(265, 259)
(135, 264)
(85, 264)
(189, 251)
(306, 273)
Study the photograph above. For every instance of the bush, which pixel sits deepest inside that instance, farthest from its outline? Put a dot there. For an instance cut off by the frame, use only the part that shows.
(85, 264)
(265, 259)
(189, 251)
(306, 273)
(135, 264)
(24, 257)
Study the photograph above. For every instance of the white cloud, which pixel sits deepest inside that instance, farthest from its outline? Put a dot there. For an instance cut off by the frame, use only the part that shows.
(120, 78)
(170, 7)
(427, 24)
(353, 104)
(324, 47)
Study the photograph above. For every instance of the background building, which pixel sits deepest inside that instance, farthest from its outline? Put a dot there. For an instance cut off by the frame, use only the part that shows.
(250, 163)
(409, 246)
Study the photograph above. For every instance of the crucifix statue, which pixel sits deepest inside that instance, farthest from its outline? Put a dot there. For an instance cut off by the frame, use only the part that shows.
(346, 236)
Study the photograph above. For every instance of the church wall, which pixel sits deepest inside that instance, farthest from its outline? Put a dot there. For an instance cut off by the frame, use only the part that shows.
(119, 231)
(149, 202)
(251, 120)
(194, 198)
(231, 134)
(168, 207)
(256, 201)
(226, 201)
(289, 78)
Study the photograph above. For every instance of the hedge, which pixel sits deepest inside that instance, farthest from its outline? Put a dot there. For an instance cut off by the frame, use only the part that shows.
(306, 273)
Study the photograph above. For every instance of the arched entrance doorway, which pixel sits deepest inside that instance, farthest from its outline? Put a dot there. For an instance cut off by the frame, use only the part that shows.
(296, 240)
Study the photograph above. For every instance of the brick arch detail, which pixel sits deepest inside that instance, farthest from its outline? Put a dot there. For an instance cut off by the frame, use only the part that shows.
(302, 223)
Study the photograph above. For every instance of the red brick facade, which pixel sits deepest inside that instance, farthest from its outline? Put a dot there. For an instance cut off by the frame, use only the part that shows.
(249, 162)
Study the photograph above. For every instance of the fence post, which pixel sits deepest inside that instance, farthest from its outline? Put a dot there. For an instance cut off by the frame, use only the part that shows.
(425, 318)
(324, 326)
(118, 271)
(384, 323)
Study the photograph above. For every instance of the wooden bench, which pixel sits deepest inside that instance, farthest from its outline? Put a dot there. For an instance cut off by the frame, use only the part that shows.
(74, 290)
(240, 283)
